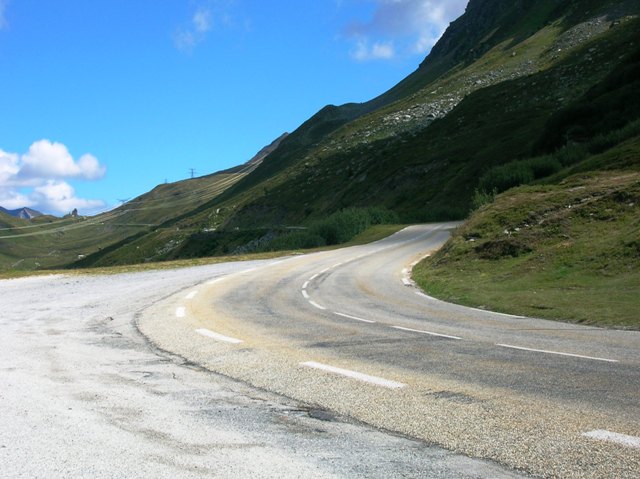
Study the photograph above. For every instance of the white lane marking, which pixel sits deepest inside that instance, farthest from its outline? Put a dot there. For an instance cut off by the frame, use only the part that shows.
(623, 439)
(218, 337)
(406, 281)
(557, 353)
(316, 305)
(305, 285)
(355, 375)
(191, 295)
(314, 277)
(431, 298)
(353, 317)
(214, 281)
(181, 312)
(430, 333)
(337, 265)
(324, 270)
(305, 294)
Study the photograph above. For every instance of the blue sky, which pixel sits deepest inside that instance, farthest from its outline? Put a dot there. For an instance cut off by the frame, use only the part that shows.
(102, 100)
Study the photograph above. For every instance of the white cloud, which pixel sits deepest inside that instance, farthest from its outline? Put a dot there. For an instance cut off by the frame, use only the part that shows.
(61, 197)
(202, 20)
(416, 25)
(195, 31)
(52, 160)
(37, 178)
(377, 51)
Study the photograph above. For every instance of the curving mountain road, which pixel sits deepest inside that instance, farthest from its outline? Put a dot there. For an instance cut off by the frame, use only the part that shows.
(347, 330)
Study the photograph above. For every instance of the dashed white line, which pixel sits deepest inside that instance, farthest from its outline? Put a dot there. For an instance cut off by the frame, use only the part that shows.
(218, 337)
(622, 439)
(316, 305)
(353, 317)
(305, 285)
(430, 333)
(558, 353)
(355, 375)
(181, 312)
(305, 294)
(191, 295)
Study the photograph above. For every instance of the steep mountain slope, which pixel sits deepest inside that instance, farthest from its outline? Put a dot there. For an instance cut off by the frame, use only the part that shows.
(483, 98)
(486, 97)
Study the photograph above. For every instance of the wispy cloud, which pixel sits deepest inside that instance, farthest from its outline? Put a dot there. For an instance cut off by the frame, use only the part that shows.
(188, 36)
(38, 178)
(3, 18)
(412, 26)
(364, 51)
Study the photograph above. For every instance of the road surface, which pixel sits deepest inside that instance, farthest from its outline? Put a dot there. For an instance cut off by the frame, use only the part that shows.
(347, 331)
(83, 394)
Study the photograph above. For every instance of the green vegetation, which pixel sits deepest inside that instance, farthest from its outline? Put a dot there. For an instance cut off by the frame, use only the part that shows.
(569, 251)
(340, 227)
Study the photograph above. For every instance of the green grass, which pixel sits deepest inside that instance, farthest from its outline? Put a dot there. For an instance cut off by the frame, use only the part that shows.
(567, 252)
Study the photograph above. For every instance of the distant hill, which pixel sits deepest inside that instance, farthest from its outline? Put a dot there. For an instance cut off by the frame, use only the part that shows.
(23, 213)
(46, 241)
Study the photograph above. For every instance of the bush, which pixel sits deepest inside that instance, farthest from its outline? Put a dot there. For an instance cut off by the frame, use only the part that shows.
(515, 173)
(337, 228)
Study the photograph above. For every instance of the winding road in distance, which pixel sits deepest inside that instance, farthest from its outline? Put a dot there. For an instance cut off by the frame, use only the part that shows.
(347, 331)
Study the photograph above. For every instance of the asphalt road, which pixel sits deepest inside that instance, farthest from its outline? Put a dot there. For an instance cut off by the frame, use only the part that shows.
(346, 330)
(84, 395)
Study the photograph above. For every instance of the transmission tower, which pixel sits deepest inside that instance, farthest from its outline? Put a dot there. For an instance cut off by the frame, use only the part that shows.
(193, 172)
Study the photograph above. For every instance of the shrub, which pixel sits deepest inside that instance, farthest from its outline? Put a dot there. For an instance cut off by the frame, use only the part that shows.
(337, 228)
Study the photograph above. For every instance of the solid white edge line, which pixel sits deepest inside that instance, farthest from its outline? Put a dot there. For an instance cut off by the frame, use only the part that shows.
(305, 285)
(313, 277)
(353, 317)
(191, 295)
(622, 439)
(427, 332)
(558, 353)
(316, 305)
(181, 312)
(355, 375)
(218, 337)
(406, 281)
(305, 294)
(426, 296)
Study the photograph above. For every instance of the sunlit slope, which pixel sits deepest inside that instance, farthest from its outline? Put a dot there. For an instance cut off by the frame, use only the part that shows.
(423, 154)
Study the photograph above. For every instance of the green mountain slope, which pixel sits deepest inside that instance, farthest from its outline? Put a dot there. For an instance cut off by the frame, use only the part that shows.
(486, 102)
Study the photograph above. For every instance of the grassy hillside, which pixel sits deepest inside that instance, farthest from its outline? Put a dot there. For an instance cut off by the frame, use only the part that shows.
(47, 242)
(567, 251)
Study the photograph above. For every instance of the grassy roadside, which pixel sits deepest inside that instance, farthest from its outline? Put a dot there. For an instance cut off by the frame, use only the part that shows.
(567, 252)
(370, 235)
